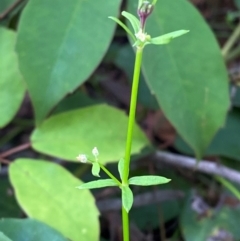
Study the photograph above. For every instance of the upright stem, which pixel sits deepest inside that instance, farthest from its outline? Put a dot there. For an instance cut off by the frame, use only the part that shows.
(131, 121)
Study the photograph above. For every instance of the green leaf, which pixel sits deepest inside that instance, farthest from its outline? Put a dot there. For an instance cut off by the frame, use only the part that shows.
(148, 180)
(60, 44)
(46, 192)
(121, 167)
(120, 23)
(68, 134)
(166, 38)
(11, 83)
(3, 237)
(127, 198)
(133, 20)
(95, 169)
(226, 142)
(98, 184)
(194, 101)
(29, 230)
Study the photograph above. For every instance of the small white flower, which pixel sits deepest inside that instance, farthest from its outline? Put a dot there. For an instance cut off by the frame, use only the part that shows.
(82, 158)
(95, 152)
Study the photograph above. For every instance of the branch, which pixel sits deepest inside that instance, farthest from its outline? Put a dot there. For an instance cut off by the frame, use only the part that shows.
(203, 166)
(10, 9)
(14, 150)
(114, 204)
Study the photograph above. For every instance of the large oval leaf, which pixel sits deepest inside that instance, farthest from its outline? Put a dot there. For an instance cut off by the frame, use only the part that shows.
(47, 192)
(60, 43)
(188, 75)
(11, 82)
(77, 132)
(29, 230)
(4, 237)
(226, 143)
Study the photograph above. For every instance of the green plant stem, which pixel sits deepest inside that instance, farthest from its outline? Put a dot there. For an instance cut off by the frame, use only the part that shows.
(229, 186)
(132, 112)
(131, 121)
(125, 223)
(231, 41)
(110, 174)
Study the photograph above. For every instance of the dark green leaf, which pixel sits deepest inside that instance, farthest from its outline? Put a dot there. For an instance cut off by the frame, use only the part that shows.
(148, 180)
(226, 142)
(76, 132)
(29, 230)
(47, 192)
(4, 237)
(60, 43)
(98, 184)
(127, 198)
(195, 101)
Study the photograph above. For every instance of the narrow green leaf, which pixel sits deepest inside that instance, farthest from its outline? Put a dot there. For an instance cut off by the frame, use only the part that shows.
(46, 192)
(68, 134)
(148, 180)
(98, 184)
(95, 169)
(29, 230)
(121, 167)
(127, 198)
(133, 20)
(11, 82)
(124, 27)
(166, 38)
(55, 60)
(4, 237)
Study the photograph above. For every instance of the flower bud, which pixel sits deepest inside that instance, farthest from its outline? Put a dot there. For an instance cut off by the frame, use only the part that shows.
(82, 158)
(144, 11)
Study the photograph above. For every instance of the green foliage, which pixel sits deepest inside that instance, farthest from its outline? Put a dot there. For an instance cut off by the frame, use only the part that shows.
(226, 142)
(174, 73)
(46, 192)
(62, 40)
(11, 83)
(148, 180)
(210, 224)
(3, 237)
(28, 230)
(127, 198)
(98, 184)
(70, 133)
(57, 47)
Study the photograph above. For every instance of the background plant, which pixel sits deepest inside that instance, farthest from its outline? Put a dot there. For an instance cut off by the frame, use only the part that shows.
(58, 53)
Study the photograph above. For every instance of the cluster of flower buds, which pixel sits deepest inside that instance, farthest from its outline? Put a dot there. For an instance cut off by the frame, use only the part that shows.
(83, 158)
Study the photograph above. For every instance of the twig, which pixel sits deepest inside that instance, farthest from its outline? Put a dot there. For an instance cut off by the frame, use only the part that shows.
(140, 200)
(4, 161)
(231, 41)
(10, 9)
(15, 149)
(203, 166)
